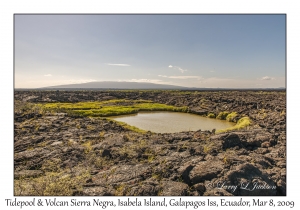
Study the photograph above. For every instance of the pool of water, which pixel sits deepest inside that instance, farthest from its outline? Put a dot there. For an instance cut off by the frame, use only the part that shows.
(171, 122)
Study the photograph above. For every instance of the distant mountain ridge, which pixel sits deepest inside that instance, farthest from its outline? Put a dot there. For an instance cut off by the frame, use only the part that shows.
(115, 85)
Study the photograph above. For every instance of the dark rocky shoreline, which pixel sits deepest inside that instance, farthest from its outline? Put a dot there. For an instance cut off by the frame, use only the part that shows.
(250, 161)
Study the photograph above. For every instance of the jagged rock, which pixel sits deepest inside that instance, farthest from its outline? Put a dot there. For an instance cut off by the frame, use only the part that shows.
(200, 187)
(120, 174)
(96, 191)
(28, 173)
(281, 184)
(251, 181)
(171, 188)
(144, 190)
(217, 192)
(258, 140)
(106, 153)
(281, 164)
(56, 143)
(198, 111)
(184, 171)
(232, 140)
(205, 170)
(123, 162)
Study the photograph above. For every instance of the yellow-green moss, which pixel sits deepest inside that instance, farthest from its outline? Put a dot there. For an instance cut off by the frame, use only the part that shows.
(88, 146)
(230, 117)
(211, 115)
(110, 108)
(242, 123)
(222, 115)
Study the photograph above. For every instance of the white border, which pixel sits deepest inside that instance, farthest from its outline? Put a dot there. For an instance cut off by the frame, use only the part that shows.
(8, 8)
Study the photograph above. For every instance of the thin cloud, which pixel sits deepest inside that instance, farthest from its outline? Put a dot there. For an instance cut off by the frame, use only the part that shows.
(267, 78)
(179, 68)
(48, 75)
(117, 64)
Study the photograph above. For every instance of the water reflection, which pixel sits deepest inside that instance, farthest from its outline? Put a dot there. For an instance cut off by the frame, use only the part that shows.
(171, 122)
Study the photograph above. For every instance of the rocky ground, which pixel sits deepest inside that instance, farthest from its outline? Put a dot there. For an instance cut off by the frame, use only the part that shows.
(56, 154)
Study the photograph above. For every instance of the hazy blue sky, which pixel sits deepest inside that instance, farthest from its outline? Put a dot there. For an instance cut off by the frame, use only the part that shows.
(230, 51)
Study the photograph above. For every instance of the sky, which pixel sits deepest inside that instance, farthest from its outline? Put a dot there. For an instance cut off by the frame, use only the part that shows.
(203, 51)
